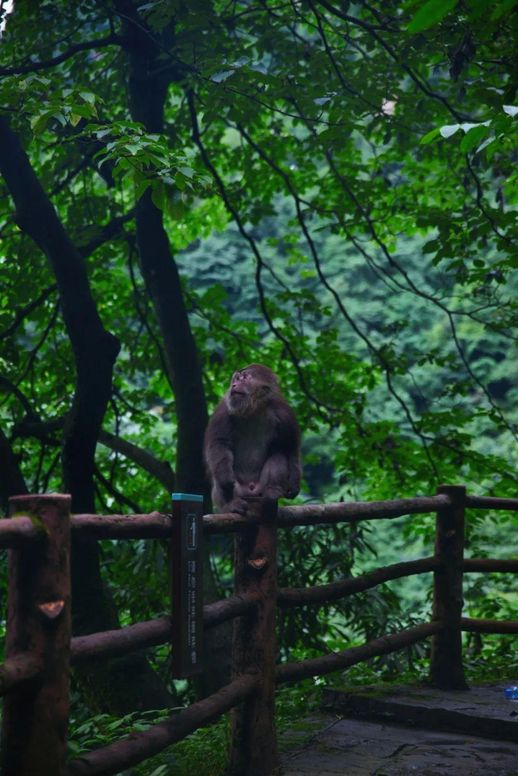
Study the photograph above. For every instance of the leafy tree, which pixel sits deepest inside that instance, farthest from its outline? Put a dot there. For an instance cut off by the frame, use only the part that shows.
(324, 187)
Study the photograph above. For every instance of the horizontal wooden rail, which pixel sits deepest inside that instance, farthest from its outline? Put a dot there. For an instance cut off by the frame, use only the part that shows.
(354, 511)
(154, 632)
(290, 672)
(16, 531)
(289, 597)
(130, 751)
(143, 635)
(490, 564)
(228, 608)
(18, 669)
(491, 502)
(157, 525)
(153, 526)
(228, 523)
(472, 625)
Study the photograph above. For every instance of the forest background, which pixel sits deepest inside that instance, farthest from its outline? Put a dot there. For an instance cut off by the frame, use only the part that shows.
(324, 187)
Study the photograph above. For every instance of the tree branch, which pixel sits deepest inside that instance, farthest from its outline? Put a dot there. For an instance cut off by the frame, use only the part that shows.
(110, 230)
(6, 386)
(160, 470)
(23, 312)
(373, 30)
(120, 497)
(255, 250)
(45, 431)
(379, 355)
(34, 67)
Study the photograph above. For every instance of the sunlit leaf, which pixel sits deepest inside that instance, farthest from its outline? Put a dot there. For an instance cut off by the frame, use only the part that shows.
(431, 13)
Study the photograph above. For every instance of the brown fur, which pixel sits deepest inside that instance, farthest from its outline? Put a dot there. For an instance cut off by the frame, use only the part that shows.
(252, 442)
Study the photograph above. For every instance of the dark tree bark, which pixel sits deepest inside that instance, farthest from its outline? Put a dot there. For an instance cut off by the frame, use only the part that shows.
(12, 482)
(38, 614)
(95, 351)
(149, 79)
(148, 83)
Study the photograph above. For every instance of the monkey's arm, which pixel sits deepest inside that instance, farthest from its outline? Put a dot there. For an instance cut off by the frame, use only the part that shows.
(219, 457)
(280, 475)
(289, 433)
(293, 475)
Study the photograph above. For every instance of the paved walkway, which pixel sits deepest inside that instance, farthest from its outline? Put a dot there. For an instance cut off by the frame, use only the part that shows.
(400, 731)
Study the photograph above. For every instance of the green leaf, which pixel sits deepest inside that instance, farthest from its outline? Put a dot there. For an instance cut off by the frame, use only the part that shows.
(429, 14)
(39, 122)
(158, 194)
(430, 136)
(141, 184)
(473, 137)
(100, 133)
(502, 8)
(431, 246)
(448, 130)
(188, 172)
(60, 117)
(88, 97)
(84, 111)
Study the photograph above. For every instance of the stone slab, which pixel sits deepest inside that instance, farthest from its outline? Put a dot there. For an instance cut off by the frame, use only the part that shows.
(481, 711)
(360, 748)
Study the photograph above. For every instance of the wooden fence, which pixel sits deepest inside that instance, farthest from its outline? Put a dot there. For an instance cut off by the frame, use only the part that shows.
(40, 649)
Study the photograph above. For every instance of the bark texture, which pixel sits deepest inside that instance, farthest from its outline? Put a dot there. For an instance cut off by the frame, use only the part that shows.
(35, 718)
(148, 80)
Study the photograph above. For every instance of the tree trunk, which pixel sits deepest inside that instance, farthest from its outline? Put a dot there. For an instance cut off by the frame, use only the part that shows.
(95, 351)
(148, 84)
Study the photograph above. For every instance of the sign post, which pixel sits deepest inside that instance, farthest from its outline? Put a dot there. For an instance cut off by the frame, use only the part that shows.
(187, 585)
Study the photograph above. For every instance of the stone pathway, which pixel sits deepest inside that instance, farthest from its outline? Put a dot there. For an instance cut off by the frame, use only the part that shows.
(396, 731)
(359, 748)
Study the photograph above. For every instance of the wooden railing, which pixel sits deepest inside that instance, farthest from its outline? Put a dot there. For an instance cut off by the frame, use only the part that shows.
(40, 648)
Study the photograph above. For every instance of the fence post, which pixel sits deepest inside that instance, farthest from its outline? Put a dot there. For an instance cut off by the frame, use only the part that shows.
(187, 585)
(35, 717)
(254, 742)
(446, 669)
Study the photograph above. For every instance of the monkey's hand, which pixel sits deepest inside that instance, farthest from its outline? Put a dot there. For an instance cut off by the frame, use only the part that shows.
(238, 505)
(291, 491)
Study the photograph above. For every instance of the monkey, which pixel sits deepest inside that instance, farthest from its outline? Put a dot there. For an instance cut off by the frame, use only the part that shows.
(252, 442)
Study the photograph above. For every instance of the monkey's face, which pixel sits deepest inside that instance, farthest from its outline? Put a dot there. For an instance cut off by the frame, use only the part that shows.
(249, 390)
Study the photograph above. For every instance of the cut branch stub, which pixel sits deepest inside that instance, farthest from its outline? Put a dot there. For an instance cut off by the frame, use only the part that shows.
(52, 609)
